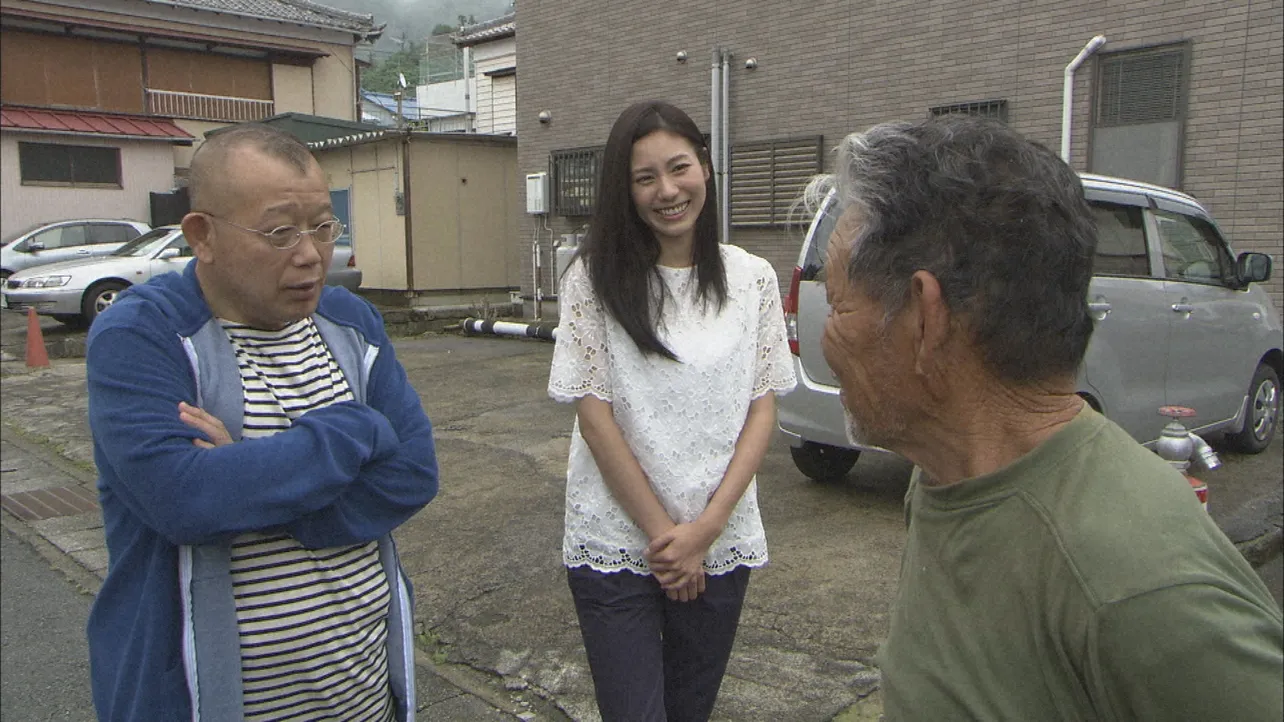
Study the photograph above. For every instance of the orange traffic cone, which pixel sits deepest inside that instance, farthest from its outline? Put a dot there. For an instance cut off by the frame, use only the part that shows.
(37, 355)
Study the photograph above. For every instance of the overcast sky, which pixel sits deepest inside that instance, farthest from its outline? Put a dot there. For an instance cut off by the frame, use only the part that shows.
(417, 18)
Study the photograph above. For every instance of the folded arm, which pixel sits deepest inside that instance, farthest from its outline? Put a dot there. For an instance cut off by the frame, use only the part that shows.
(388, 490)
(194, 495)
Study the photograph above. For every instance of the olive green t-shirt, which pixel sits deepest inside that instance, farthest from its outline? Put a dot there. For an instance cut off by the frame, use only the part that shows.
(1082, 582)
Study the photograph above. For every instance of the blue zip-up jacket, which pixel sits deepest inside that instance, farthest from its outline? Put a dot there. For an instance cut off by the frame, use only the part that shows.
(163, 641)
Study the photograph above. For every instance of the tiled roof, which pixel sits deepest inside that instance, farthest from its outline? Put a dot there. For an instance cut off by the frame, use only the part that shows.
(303, 12)
(71, 122)
(501, 27)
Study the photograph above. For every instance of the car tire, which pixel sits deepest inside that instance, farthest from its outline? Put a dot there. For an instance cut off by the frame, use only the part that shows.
(99, 297)
(823, 463)
(73, 320)
(1263, 413)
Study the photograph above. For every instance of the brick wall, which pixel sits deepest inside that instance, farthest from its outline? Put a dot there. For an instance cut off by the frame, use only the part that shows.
(830, 67)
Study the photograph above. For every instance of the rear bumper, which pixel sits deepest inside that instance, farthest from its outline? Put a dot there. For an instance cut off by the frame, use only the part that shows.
(349, 278)
(813, 412)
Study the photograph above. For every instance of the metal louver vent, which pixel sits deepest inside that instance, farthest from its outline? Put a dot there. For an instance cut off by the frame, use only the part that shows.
(997, 109)
(768, 177)
(1141, 87)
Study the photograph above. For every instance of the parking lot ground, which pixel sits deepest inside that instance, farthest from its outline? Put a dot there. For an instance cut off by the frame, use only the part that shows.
(485, 555)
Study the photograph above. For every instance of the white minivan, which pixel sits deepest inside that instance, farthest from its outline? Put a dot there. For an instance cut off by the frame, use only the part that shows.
(1180, 322)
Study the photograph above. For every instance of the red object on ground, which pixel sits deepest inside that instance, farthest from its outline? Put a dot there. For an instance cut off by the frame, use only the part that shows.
(37, 354)
(1176, 412)
(1200, 489)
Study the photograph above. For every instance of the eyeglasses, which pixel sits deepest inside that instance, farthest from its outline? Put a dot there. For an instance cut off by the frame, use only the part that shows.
(284, 238)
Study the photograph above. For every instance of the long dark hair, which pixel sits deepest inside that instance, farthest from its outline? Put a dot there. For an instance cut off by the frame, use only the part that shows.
(621, 251)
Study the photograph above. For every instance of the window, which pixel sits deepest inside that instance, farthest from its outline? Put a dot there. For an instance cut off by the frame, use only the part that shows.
(60, 237)
(1192, 250)
(1138, 114)
(111, 233)
(767, 179)
(997, 109)
(73, 165)
(574, 180)
(1121, 241)
(342, 209)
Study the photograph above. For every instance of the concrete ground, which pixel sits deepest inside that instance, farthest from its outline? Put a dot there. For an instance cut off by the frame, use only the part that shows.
(484, 557)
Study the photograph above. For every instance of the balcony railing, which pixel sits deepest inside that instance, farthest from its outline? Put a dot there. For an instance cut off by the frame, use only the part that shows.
(197, 106)
(460, 123)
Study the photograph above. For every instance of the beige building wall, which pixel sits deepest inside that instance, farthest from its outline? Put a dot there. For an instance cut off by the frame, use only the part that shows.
(463, 193)
(334, 84)
(146, 167)
(829, 68)
(292, 89)
(372, 173)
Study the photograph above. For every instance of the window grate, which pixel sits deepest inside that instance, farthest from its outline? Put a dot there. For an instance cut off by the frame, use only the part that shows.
(996, 109)
(768, 177)
(1137, 87)
(574, 180)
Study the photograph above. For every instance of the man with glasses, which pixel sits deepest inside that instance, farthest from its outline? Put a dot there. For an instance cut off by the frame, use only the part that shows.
(257, 442)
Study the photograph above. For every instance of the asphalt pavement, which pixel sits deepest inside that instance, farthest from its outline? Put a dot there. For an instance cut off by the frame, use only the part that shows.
(497, 631)
(44, 659)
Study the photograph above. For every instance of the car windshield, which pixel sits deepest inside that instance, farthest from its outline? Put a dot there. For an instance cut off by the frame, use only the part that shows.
(19, 234)
(146, 244)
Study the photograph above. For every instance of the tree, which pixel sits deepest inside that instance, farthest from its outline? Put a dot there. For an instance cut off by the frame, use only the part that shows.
(382, 77)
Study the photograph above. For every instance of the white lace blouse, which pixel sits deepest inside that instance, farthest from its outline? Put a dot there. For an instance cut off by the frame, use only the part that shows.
(681, 420)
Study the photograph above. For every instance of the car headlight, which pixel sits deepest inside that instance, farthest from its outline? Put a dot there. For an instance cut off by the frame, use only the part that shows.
(46, 282)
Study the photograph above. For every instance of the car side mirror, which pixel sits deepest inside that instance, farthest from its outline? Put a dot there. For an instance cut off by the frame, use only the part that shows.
(1253, 268)
(169, 253)
(33, 246)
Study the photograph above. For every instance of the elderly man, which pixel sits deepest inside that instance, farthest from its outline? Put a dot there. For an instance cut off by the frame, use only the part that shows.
(256, 441)
(1054, 568)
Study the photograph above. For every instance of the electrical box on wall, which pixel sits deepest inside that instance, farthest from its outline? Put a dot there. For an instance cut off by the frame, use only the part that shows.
(537, 193)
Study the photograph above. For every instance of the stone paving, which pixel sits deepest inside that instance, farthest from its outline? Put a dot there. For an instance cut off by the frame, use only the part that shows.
(28, 465)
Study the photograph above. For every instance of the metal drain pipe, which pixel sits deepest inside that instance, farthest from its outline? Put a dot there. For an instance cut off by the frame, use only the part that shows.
(544, 331)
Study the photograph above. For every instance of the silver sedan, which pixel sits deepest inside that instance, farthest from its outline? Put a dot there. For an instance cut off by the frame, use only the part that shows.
(75, 292)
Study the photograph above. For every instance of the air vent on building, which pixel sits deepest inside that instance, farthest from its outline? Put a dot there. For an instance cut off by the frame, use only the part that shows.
(767, 179)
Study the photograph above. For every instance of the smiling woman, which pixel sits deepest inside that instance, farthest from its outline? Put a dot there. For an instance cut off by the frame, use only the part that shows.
(672, 348)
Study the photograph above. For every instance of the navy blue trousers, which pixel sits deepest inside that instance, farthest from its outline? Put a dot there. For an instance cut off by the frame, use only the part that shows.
(654, 659)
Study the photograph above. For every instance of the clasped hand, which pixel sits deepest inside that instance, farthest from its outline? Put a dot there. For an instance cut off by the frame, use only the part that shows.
(205, 423)
(676, 558)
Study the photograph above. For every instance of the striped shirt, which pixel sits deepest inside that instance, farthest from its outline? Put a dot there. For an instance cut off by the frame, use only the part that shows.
(313, 622)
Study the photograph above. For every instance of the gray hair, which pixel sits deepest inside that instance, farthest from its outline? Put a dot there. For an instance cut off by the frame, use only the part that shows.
(207, 172)
(1000, 221)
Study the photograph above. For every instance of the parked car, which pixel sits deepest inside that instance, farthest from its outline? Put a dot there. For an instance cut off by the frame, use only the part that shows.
(47, 243)
(75, 292)
(1179, 321)
(343, 266)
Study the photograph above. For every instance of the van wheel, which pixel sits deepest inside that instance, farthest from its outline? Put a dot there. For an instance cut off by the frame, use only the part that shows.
(99, 298)
(824, 463)
(1263, 412)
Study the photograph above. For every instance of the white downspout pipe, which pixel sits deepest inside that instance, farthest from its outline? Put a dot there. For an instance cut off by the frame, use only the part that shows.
(724, 183)
(715, 121)
(1067, 92)
(469, 82)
